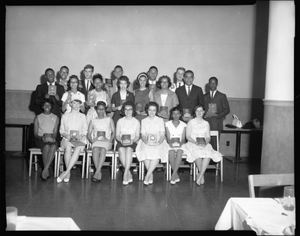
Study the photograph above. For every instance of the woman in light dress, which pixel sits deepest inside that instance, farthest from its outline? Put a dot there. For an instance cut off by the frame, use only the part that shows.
(198, 146)
(95, 96)
(127, 136)
(152, 146)
(101, 134)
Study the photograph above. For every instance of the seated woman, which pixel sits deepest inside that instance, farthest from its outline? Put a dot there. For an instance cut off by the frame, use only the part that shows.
(198, 146)
(101, 133)
(164, 97)
(72, 94)
(96, 95)
(73, 129)
(175, 130)
(152, 146)
(127, 136)
(45, 132)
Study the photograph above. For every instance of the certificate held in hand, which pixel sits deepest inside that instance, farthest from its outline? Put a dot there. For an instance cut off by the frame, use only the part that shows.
(151, 139)
(52, 90)
(92, 99)
(108, 81)
(126, 139)
(175, 142)
(100, 135)
(74, 135)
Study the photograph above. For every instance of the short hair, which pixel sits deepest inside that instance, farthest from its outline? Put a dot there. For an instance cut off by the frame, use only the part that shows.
(118, 66)
(177, 108)
(128, 103)
(158, 84)
(123, 78)
(188, 71)
(211, 78)
(48, 70)
(180, 68)
(47, 100)
(97, 76)
(69, 81)
(153, 67)
(196, 107)
(151, 104)
(99, 103)
(142, 74)
(89, 66)
(64, 67)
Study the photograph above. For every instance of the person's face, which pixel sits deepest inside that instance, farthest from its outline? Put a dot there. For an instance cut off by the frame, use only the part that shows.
(47, 107)
(164, 84)
(142, 81)
(75, 105)
(128, 110)
(123, 85)
(88, 72)
(50, 76)
(176, 115)
(179, 74)
(199, 112)
(64, 72)
(152, 111)
(188, 79)
(153, 74)
(100, 110)
(213, 84)
(98, 84)
(73, 83)
(118, 72)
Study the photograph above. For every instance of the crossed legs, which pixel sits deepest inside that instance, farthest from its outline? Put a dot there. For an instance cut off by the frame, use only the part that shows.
(175, 161)
(201, 164)
(150, 166)
(48, 153)
(125, 155)
(98, 160)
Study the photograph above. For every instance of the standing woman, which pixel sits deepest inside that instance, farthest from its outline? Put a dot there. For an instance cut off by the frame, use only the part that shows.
(127, 136)
(101, 134)
(72, 94)
(98, 95)
(120, 97)
(164, 97)
(45, 132)
(142, 95)
(152, 145)
(198, 136)
(73, 129)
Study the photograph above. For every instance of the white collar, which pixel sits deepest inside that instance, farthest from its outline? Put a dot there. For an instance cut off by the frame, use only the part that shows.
(152, 81)
(50, 83)
(213, 92)
(186, 86)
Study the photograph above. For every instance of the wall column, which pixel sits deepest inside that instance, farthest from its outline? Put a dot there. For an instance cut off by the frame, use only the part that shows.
(278, 125)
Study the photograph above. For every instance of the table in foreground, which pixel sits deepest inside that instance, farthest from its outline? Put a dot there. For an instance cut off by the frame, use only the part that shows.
(46, 223)
(263, 215)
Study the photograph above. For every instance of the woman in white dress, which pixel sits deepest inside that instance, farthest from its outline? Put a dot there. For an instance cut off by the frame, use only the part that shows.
(198, 136)
(127, 136)
(175, 130)
(95, 96)
(152, 146)
(101, 133)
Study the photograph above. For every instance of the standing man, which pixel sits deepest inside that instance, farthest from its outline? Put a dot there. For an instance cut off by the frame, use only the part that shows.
(42, 91)
(216, 107)
(189, 95)
(87, 83)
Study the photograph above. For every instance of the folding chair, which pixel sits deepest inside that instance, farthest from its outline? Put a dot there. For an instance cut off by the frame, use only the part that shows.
(89, 154)
(218, 166)
(268, 180)
(62, 152)
(37, 151)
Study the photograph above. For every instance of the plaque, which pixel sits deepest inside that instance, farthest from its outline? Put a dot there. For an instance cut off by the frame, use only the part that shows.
(212, 107)
(100, 135)
(52, 90)
(108, 81)
(126, 139)
(92, 99)
(48, 137)
(151, 139)
(175, 142)
(163, 110)
(74, 135)
(201, 140)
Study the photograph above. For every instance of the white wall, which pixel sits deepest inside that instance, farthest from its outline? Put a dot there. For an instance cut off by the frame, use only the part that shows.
(210, 40)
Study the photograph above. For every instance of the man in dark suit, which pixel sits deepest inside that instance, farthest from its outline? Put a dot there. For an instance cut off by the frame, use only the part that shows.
(42, 92)
(86, 84)
(189, 95)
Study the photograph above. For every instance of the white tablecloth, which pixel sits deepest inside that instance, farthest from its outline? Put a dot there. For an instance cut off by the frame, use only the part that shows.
(46, 223)
(263, 215)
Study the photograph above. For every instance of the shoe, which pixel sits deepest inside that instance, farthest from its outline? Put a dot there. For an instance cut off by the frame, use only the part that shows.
(150, 181)
(66, 180)
(95, 180)
(59, 180)
(173, 182)
(177, 180)
(125, 183)
(130, 180)
(43, 179)
(146, 182)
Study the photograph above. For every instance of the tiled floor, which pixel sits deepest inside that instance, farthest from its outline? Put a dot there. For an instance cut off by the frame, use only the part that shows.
(109, 205)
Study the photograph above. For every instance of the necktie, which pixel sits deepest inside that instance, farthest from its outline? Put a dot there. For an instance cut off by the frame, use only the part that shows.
(189, 90)
(88, 85)
(212, 94)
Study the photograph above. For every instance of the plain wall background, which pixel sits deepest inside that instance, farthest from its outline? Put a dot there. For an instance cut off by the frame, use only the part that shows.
(210, 40)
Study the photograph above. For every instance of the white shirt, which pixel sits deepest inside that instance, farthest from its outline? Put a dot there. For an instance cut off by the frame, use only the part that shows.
(86, 83)
(212, 93)
(179, 84)
(152, 81)
(186, 88)
(50, 83)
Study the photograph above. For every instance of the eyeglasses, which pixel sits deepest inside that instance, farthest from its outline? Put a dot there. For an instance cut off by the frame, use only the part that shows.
(130, 109)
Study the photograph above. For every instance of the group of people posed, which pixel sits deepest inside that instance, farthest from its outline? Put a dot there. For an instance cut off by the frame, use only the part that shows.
(158, 119)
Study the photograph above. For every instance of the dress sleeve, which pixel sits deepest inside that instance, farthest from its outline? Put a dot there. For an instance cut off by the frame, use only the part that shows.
(84, 125)
(62, 128)
(143, 131)
(64, 96)
(161, 125)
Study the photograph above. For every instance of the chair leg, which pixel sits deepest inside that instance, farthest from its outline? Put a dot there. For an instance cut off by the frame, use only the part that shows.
(35, 163)
(88, 164)
(55, 164)
(83, 166)
(30, 164)
(221, 170)
(167, 167)
(113, 167)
